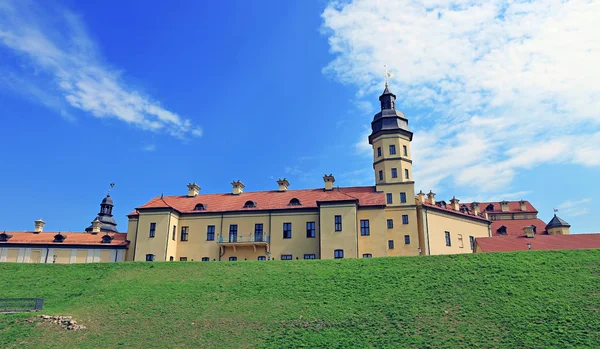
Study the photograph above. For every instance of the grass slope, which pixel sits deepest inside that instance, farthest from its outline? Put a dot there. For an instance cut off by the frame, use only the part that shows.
(510, 300)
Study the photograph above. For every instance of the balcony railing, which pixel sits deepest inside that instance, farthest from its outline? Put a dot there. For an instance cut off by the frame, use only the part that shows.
(232, 239)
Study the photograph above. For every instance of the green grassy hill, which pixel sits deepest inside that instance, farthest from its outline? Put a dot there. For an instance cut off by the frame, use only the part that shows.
(511, 300)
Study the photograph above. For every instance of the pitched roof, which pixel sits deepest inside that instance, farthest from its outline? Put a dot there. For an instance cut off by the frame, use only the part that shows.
(557, 222)
(539, 242)
(86, 239)
(513, 207)
(515, 227)
(267, 200)
(448, 208)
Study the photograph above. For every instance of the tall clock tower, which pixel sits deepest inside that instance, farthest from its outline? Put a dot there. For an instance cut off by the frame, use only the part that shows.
(390, 138)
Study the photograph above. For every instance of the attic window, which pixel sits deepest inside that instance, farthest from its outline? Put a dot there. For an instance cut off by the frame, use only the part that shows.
(295, 202)
(502, 230)
(4, 237)
(106, 239)
(441, 204)
(490, 207)
(200, 207)
(59, 238)
(250, 204)
(464, 209)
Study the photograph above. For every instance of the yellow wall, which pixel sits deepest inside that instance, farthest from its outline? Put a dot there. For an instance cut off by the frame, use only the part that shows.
(12, 254)
(81, 256)
(156, 245)
(438, 222)
(375, 243)
(63, 256)
(384, 142)
(132, 226)
(35, 256)
(346, 239)
(105, 256)
(299, 244)
(197, 246)
(400, 230)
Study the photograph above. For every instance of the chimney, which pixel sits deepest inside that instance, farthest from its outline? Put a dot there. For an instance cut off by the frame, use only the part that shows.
(96, 224)
(504, 206)
(329, 180)
(39, 226)
(237, 187)
(529, 232)
(431, 197)
(475, 208)
(193, 189)
(283, 184)
(454, 202)
(522, 203)
(421, 197)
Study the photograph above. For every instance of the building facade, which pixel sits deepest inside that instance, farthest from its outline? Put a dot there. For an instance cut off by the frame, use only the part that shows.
(324, 223)
(101, 242)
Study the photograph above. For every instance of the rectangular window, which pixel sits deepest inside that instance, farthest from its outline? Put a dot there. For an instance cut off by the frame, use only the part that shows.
(380, 175)
(394, 173)
(405, 150)
(390, 223)
(258, 232)
(392, 149)
(407, 239)
(406, 173)
(152, 230)
(404, 219)
(364, 227)
(367, 255)
(262, 258)
(149, 257)
(171, 259)
(205, 259)
(287, 230)
(472, 242)
(232, 259)
(310, 229)
(183, 259)
(391, 244)
(210, 233)
(310, 256)
(378, 151)
(174, 233)
(184, 233)
(338, 223)
(337, 254)
(448, 242)
(460, 241)
(233, 233)
(403, 197)
(286, 257)
(388, 198)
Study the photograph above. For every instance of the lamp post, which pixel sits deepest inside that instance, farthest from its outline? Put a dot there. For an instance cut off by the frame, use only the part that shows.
(529, 245)
(419, 251)
(54, 259)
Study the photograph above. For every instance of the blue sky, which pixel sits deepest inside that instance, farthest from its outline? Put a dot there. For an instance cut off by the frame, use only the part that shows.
(153, 97)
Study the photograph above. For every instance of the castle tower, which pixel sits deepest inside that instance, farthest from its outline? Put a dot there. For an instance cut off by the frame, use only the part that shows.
(392, 163)
(391, 139)
(558, 226)
(105, 216)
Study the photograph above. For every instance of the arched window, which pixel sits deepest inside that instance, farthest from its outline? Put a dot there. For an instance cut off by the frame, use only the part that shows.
(200, 207)
(250, 204)
(295, 202)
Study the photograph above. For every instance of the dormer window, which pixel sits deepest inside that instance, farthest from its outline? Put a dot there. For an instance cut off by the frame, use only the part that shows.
(59, 237)
(250, 204)
(200, 207)
(106, 239)
(464, 209)
(4, 237)
(295, 202)
(490, 207)
(502, 230)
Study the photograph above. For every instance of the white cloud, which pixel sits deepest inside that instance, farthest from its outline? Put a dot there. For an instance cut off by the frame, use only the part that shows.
(59, 54)
(507, 85)
(575, 207)
(149, 147)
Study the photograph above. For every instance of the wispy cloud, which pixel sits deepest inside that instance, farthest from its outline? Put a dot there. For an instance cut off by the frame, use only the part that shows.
(576, 207)
(505, 85)
(57, 53)
(149, 147)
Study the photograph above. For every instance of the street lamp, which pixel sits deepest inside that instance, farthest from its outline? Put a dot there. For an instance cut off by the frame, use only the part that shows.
(419, 251)
(529, 245)
(54, 259)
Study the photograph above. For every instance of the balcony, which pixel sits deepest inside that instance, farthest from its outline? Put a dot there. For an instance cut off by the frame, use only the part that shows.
(235, 240)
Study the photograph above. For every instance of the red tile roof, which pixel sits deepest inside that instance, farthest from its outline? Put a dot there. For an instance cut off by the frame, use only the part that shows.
(513, 207)
(515, 227)
(87, 239)
(448, 208)
(267, 200)
(539, 242)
